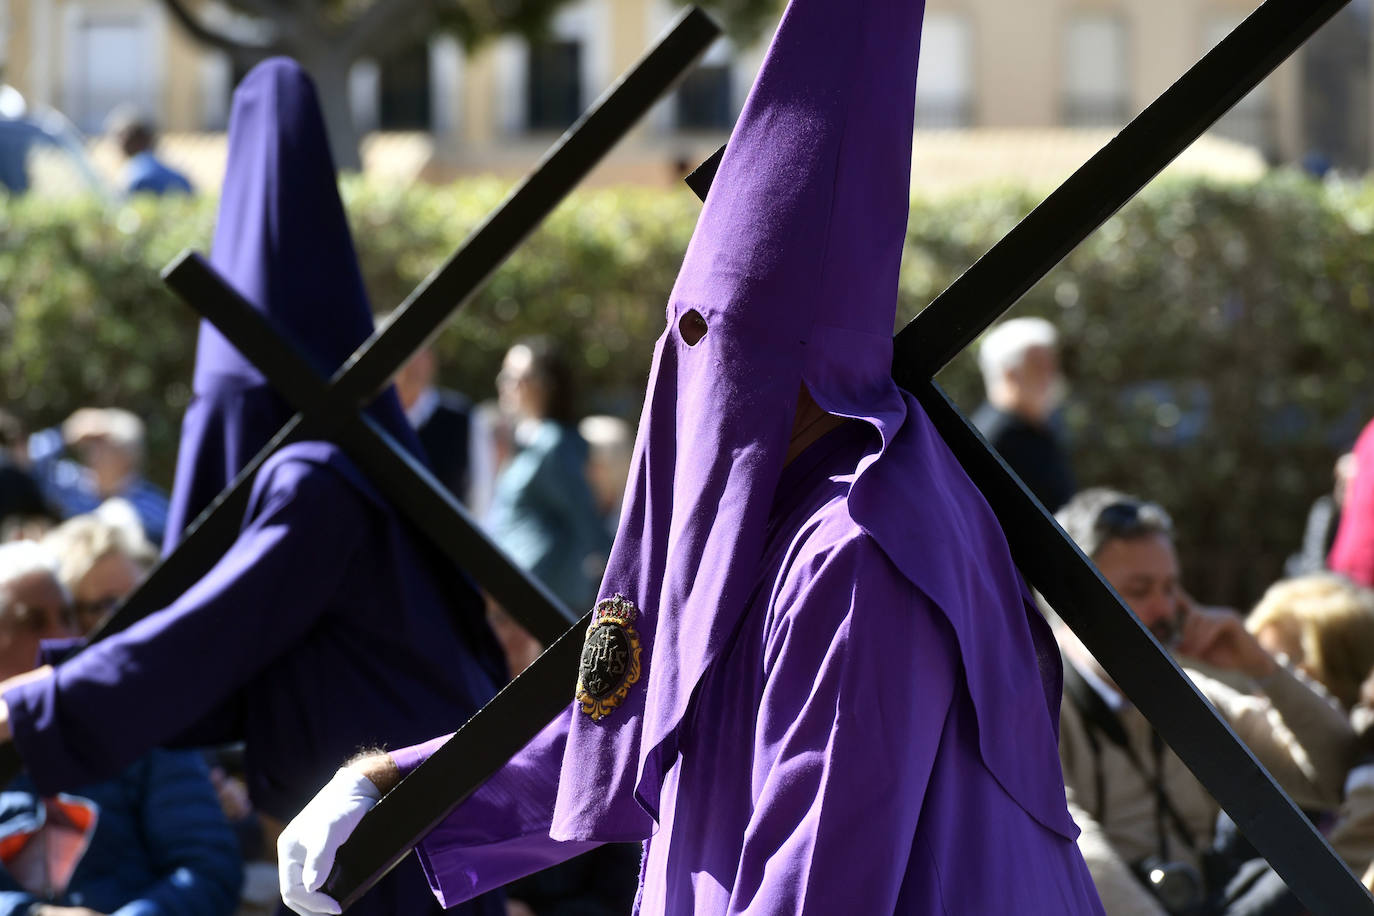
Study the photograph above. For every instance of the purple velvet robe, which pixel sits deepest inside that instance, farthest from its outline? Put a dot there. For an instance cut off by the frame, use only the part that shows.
(829, 762)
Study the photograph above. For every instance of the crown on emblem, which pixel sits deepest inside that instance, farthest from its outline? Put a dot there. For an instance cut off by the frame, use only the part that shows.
(615, 609)
(610, 657)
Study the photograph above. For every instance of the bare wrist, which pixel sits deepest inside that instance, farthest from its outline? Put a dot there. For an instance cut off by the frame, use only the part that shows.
(379, 769)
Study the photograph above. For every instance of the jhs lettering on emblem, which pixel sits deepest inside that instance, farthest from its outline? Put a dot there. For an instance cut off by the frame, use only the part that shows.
(610, 658)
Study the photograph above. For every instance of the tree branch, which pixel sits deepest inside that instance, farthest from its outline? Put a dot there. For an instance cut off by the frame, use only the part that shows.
(373, 28)
(301, 17)
(403, 38)
(207, 36)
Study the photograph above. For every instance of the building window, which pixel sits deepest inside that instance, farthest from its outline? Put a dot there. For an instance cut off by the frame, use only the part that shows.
(1096, 87)
(944, 87)
(404, 93)
(704, 99)
(554, 88)
(110, 64)
(1251, 120)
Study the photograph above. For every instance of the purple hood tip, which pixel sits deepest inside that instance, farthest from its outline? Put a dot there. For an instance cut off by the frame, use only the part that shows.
(282, 241)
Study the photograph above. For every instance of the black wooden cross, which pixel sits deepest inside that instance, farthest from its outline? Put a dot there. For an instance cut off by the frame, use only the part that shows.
(1045, 554)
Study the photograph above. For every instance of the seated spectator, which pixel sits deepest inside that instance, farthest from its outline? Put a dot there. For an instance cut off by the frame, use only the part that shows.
(1141, 811)
(33, 606)
(144, 173)
(1324, 624)
(151, 842)
(1019, 360)
(109, 444)
(99, 564)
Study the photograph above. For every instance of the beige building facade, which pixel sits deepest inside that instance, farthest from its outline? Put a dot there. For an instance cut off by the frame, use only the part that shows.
(1093, 63)
(1004, 64)
(84, 57)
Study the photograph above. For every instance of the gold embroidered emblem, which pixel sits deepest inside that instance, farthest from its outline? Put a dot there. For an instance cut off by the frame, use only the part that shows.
(610, 658)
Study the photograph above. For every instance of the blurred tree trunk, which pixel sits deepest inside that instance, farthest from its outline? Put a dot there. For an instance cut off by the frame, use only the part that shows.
(329, 69)
(326, 49)
(329, 36)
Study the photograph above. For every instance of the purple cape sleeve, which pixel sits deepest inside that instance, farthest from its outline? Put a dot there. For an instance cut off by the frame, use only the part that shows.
(501, 832)
(847, 735)
(408, 758)
(106, 707)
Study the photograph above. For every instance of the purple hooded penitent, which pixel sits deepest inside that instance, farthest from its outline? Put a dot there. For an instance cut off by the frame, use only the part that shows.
(794, 267)
(281, 240)
(816, 685)
(328, 626)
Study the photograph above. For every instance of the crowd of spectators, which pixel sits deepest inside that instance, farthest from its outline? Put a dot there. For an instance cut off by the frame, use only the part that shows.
(1294, 677)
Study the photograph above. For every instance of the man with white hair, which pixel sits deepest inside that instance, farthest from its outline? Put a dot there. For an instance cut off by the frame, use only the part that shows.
(1020, 364)
(33, 605)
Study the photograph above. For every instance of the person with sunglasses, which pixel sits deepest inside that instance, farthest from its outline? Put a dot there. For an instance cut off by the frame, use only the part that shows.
(99, 564)
(1149, 829)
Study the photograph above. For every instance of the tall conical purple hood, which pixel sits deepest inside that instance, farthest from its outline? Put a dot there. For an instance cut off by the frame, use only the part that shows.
(282, 241)
(794, 267)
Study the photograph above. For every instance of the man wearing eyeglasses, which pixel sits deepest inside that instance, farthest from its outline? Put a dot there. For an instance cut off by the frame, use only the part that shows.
(1149, 827)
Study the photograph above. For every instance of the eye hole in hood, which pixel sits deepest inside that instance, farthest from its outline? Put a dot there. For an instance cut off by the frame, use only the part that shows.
(692, 327)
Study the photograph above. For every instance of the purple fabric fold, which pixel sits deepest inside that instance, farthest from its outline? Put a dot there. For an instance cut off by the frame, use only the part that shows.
(829, 761)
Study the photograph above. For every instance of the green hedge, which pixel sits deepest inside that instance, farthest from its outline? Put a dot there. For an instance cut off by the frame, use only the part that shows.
(1220, 338)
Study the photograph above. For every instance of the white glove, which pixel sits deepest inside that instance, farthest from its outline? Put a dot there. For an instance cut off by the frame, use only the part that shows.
(306, 848)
